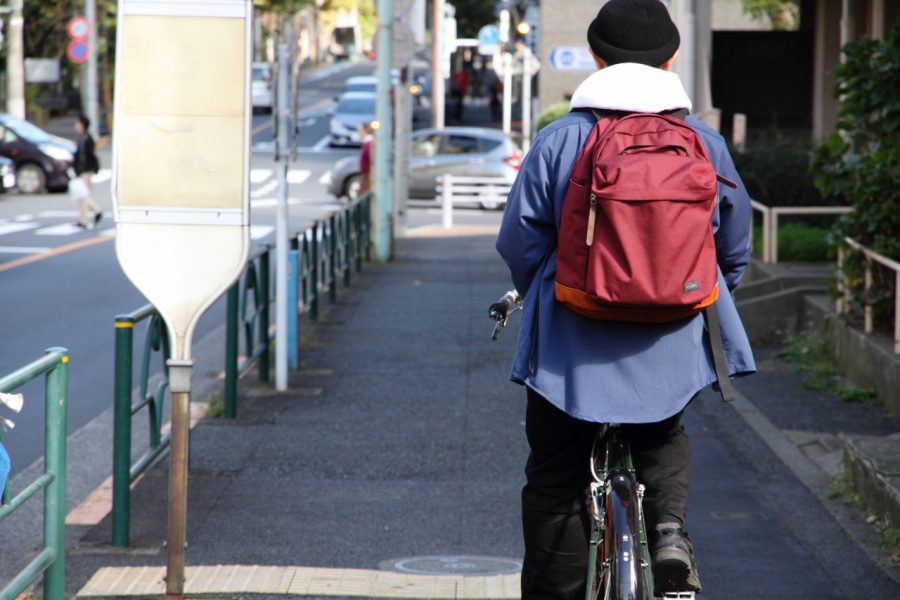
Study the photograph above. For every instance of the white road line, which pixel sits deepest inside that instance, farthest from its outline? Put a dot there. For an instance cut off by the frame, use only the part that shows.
(23, 250)
(17, 227)
(298, 175)
(111, 231)
(58, 213)
(321, 143)
(307, 122)
(325, 179)
(64, 229)
(21, 218)
(260, 175)
(265, 189)
(260, 231)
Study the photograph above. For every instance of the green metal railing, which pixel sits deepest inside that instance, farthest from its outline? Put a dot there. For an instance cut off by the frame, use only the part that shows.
(51, 560)
(156, 343)
(254, 284)
(329, 248)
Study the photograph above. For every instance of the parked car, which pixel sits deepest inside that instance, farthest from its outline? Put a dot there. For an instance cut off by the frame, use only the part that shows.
(360, 83)
(352, 110)
(7, 174)
(468, 151)
(41, 159)
(261, 87)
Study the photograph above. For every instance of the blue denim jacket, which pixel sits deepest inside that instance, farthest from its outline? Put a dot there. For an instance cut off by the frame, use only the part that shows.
(605, 371)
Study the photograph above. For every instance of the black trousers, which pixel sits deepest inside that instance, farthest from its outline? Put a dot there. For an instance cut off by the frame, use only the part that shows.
(554, 510)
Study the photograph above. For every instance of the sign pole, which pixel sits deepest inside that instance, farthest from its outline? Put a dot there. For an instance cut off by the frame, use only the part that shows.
(91, 89)
(384, 195)
(281, 224)
(176, 545)
(526, 98)
(437, 79)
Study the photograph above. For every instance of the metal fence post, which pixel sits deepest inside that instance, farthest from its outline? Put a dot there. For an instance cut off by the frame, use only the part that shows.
(264, 316)
(121, 500)
(348, 246)
(314, 304)
(229, 402)
(293, 320)
(357, 226)
(56, 433)
(332, 260)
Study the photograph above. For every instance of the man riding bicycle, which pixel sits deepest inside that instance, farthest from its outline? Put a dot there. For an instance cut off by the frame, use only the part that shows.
(580, 372)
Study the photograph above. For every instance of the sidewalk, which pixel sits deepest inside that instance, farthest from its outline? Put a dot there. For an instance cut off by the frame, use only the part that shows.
(400, 438)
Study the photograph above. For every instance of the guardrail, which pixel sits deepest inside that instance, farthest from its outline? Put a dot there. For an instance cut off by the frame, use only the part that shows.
(329, 248)
(770, 216)
(124, 472)
(51, 560)
(489, 192)
(842, 304)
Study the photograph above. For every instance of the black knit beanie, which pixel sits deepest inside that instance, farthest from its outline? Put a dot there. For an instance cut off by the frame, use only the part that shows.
(639, 31)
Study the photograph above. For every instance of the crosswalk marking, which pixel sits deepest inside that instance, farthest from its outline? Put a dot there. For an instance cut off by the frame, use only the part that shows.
(298, 176)
(23, 249)
(63, 229)
(21, 218)
(16, 227)
(260, 231)
(260, 175)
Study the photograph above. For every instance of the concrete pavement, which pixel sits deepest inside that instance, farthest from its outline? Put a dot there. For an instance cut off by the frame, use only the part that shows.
(400, 438)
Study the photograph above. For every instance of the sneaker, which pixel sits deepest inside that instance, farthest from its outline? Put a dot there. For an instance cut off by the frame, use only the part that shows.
(97, 218)
(674, 569)
(81, 225)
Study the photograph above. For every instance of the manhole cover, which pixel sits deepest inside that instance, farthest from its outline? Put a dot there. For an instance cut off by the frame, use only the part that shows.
(453, 565)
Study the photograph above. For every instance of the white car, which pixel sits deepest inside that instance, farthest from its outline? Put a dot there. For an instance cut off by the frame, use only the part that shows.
(261, 86)
(353, 109)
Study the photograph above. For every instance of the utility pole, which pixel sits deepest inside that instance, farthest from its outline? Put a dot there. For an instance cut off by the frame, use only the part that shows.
(90, 100)
(384, 194)
(15, 62)
(526, 97)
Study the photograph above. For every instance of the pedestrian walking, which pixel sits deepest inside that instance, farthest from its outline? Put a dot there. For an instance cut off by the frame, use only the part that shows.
(581, 371)
(366, 131)
(85, 164)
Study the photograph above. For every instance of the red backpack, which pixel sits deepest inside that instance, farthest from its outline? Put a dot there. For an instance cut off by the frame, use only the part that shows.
(636, 240)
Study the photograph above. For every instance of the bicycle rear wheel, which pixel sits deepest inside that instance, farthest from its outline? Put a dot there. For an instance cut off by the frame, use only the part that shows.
(623, 570)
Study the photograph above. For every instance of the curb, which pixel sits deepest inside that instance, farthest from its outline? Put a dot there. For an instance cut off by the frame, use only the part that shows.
(873, 463)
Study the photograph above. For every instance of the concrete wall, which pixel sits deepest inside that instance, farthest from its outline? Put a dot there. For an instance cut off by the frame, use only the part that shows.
(562, 24)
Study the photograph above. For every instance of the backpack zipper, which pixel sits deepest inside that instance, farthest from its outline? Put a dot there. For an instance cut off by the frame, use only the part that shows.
(592, 217)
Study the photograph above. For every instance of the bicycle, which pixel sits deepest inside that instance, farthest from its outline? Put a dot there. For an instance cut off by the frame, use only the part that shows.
(619, 566)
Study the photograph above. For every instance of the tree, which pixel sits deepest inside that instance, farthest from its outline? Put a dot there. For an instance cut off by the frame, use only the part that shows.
(782, 14)
(472, 15)
(859, 162)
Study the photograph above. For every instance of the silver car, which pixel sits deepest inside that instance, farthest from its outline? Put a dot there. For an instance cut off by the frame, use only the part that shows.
(353, 109)
(465, 151)
(261, 87)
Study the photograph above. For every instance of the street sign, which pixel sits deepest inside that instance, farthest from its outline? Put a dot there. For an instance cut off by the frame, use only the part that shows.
(489, 40)
(181, 186)
(41, 70)
(78, 51)
(78, 28)
(571, 58)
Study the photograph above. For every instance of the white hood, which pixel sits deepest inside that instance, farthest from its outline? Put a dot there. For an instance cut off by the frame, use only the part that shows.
(632, 87)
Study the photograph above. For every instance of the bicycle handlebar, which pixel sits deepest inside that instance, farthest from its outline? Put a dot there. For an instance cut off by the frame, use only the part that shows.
(500, 310)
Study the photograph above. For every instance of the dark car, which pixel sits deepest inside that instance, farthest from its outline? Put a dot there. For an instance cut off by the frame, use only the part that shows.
(41, 159)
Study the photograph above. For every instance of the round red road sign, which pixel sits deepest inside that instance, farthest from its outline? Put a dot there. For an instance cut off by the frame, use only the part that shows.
(78, 28)
(78, 51)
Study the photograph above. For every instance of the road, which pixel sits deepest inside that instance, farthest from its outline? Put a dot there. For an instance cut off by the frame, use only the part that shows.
(62, 286)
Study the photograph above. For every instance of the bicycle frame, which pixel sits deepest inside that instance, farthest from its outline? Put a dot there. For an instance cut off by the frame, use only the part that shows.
(619, 556)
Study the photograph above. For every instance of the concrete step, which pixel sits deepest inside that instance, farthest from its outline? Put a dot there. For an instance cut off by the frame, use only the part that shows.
(873, 463)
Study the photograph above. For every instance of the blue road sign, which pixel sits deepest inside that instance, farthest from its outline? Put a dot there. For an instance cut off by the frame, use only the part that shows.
(489, 35)
(571, 58)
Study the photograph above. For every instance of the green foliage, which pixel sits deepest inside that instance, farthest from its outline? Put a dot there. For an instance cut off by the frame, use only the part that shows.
(775, 169)
(861, 160)
(811, 354)
(782, 14)
(472, 15)
(282, 7)
(803, 243)
(551, 113)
